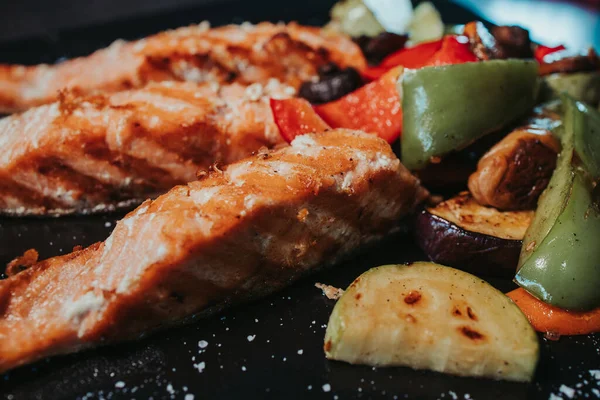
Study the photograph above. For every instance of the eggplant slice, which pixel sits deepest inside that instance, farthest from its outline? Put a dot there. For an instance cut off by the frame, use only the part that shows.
(463, 234)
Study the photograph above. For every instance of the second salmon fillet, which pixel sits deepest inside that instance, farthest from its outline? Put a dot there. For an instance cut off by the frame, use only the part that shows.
(234, 235)
(86, 154)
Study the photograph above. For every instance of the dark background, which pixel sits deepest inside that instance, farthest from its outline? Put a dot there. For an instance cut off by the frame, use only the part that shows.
(284, 359)
(32, 31)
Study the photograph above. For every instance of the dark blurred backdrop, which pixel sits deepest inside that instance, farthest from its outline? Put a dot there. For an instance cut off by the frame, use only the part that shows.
(33, 31)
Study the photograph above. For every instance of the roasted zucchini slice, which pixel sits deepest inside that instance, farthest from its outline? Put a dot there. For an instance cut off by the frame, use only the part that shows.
(427, 316)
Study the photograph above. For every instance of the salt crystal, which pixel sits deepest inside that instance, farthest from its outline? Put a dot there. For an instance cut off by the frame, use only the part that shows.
(189, 396)
(120, 384)
(243, 367)
(595, 373)
(200, 366)
(300, 351)
(326, 387)
(567, 391)
(251, 337)
(202, 344)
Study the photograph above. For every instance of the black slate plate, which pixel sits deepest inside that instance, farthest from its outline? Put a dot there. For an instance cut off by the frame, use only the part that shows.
(271, 348)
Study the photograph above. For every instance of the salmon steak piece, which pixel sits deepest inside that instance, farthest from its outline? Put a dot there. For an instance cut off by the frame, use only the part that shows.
(234, 235)
(97, 153)
(243, 53)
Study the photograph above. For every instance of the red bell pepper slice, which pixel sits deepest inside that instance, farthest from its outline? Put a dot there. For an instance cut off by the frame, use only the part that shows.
(543, 51)
(295, 117)
(374, 108)
(449, 50)
(455, 50)
(412, 57)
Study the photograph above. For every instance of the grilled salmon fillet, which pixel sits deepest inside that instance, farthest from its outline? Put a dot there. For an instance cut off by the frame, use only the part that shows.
(242, 53)
(236, 234)
(101, 152)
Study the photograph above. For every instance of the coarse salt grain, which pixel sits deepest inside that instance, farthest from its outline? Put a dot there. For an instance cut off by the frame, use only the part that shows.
(200, 366)
(251, 337)
(120, 384)
(326, 387)
(202, 344)
(567, 391)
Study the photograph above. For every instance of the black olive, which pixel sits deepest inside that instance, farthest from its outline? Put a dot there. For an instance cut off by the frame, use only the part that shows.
(331, 86)
(377, 48)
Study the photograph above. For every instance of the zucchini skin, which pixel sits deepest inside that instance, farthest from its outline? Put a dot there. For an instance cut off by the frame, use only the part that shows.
(448, 107)
(560, 258)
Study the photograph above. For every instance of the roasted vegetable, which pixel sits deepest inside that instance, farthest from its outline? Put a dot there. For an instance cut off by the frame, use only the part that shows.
(567, 62)
(449, 50)
(463, 234)
(542, 51)
(447, 108)
(513, 174)
(483, 43)
(553, 320)
(583, 86)
(374, 108)
(354, 18)
(295, 117)
(377, 48)
(333, 83)
(560, 254)
(513, 40)
(428, 316)
(426, 24)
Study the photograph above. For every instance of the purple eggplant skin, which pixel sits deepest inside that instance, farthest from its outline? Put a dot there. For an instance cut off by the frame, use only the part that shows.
(448, 244)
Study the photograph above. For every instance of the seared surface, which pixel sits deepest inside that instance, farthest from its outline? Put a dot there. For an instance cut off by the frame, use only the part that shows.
(235, 53)
(237, 234)
(96, 153)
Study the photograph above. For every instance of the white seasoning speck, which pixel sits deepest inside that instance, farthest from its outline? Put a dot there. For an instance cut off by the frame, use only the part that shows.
(202, 344)
(595, 373)
(200, 366)
(120, 384)
(243, 368)
(170, 389)
(567, 391)
(309, 387)
(326, 387)
(189, 396)
(107, 224)
(300, 351)
(251, 337)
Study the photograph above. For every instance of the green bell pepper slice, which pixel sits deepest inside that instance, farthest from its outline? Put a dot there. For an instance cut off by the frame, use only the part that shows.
(583, 86)
(560, 258)
(448, 107)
